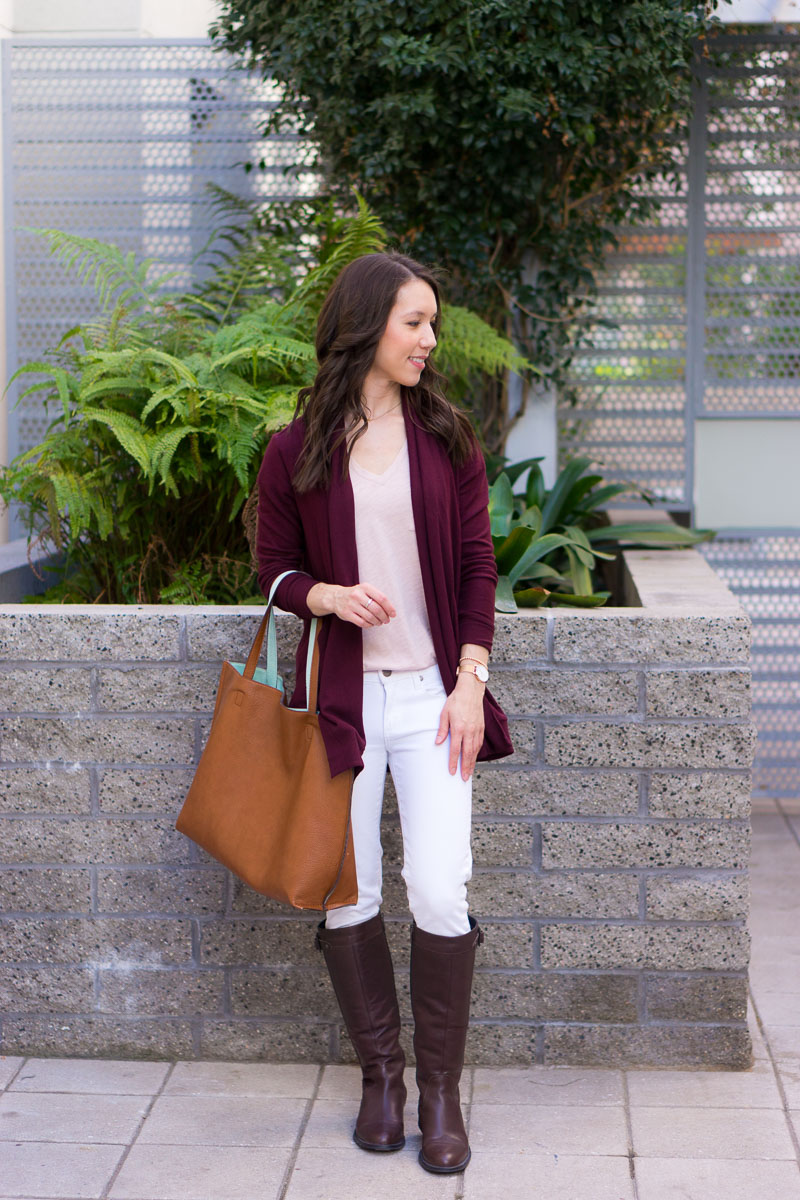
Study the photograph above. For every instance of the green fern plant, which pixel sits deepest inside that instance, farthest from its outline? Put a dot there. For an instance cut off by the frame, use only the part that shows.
(131, 282)
(162, 406)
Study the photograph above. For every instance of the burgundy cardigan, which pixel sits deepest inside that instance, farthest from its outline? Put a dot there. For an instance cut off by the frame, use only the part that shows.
(314, 532)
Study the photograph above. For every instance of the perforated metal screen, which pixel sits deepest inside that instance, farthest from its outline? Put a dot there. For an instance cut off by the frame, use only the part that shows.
(631, 383)
(706, 306)
(750, 105)
(751, 207)
(118, 140)
(705, 301)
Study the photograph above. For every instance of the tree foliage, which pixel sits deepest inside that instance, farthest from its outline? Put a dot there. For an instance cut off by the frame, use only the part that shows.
(504, 139)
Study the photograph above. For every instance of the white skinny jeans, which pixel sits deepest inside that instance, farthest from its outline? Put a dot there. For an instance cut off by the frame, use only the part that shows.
(401, 719)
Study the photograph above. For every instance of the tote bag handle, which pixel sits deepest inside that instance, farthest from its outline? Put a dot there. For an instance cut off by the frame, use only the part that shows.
(312, 652)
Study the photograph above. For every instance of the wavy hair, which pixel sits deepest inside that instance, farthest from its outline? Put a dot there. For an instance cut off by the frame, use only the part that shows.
(350, 325)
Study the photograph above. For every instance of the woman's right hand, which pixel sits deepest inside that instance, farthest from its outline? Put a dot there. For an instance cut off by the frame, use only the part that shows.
(362, 605)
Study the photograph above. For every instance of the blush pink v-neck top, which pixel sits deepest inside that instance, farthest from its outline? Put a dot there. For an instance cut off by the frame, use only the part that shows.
(388, 558)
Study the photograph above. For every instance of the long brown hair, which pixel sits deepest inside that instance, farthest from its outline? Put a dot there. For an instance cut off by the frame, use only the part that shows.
(350, 325)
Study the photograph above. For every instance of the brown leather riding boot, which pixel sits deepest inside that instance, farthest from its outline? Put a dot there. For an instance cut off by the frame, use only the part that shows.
(360, 967)
(441, 982)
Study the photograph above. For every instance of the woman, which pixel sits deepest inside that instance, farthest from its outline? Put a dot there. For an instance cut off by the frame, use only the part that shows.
(376, 496)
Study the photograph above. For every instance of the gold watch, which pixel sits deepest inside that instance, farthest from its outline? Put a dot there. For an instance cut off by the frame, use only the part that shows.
(475, 668)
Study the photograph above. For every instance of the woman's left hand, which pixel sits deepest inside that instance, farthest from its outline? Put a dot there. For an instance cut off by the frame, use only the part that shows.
(462, 718)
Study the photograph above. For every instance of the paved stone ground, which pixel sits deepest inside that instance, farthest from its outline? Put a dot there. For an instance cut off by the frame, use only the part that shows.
(78, 1128)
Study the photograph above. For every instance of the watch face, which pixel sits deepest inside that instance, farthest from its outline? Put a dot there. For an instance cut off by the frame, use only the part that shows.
(481, 672)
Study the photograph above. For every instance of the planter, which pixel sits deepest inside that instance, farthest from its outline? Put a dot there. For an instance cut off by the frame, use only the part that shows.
(610, 852)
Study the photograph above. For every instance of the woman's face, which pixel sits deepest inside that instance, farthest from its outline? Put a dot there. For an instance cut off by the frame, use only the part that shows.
(408, 337)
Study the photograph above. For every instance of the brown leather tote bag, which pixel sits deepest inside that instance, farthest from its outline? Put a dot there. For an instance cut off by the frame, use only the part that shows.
(262, 800)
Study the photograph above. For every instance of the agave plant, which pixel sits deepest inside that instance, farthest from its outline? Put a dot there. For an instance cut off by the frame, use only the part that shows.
(547, 542)
(163, 406)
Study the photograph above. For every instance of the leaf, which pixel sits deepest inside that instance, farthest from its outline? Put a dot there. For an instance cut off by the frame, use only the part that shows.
(554, 510)
(64, 385)
(578, 490)
(501, 505)
(63, 382)
(586, 552)
(172, 395)
(579, 572)
(537, 550)
(531, 597)
(115, 276)
(535, 492)
(504, 596)
(164, 449)
(532, 519)
(650, 535)
(580, 547)
(593, 601)
(122, 384)
(126, 430)
(602, 495)
(362, 234)
(514, 470)
(154, 355)
(279, 352)
(544, 571)
(75, 497)
(513, 547)
(469, 344)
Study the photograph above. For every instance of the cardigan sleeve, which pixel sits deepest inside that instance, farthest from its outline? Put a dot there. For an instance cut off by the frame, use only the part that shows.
(478, 582)
(280, 543)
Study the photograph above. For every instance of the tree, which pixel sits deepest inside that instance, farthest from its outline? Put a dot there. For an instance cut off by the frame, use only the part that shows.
(504, 139)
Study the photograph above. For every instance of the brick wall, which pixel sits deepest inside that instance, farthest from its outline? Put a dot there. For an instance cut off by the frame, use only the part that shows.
(610, 852)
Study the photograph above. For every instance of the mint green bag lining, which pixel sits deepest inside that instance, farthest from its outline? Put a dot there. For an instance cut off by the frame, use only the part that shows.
(260, 675)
